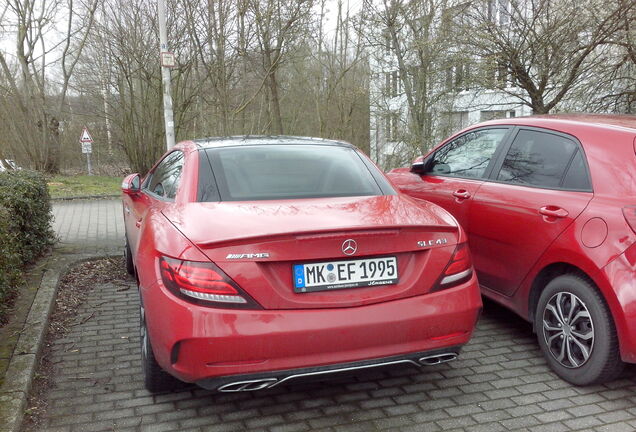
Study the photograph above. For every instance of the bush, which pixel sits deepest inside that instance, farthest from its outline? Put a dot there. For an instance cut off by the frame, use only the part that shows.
(10, 262)
(25, 195)
(25, 228)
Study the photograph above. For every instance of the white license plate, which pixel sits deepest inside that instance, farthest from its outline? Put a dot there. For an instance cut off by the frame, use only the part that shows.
(329, 275)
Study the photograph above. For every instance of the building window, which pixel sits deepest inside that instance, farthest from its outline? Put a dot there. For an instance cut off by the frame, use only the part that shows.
(392, 126)
(388, 41)
(392, 84)
(504, 12)
(499, 11)
(496, 74)
(492, 115)
(458, 77)
(453, 121)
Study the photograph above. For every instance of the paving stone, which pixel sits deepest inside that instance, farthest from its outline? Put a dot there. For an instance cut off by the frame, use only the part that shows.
(519, 422)
(583, 422)
(616, 427)
(553, 416)
(585, 410)
(551, 427)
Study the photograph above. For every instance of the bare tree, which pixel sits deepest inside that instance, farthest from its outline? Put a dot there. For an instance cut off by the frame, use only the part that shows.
(123, 48)
(50, 36)
(278, 24)
(213, 32)
(327, 81)
(612, 87)
(246, 66)
(413, 47)
(545, 48)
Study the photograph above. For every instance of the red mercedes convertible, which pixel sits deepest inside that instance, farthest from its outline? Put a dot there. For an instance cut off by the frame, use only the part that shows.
(265, 260)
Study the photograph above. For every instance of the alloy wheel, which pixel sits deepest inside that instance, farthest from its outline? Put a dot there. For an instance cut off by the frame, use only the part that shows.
(143, 333)
(568, 329)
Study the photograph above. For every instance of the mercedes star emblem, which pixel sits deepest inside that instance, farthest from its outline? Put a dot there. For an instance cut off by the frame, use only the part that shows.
(349, 247)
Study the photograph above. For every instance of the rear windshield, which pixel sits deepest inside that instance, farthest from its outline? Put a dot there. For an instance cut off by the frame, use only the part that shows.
(265, 172)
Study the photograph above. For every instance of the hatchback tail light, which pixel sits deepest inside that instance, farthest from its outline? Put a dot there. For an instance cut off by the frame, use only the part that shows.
(203, 283)
(458, 270)
(630, 216)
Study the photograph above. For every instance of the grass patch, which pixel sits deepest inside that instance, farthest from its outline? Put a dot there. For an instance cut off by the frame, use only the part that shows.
(77, 186)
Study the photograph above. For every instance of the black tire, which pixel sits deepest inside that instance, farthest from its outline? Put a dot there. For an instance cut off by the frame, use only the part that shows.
(130, 267)
(576, 332)
(156, 380)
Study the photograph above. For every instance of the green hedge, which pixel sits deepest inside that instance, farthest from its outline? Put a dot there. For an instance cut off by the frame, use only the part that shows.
(10, 262)
(25, 227)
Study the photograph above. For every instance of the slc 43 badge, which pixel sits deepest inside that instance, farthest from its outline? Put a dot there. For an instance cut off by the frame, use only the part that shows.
(436, 242)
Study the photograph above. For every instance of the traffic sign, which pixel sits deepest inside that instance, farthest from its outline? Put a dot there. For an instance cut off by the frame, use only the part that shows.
(87, 147)
(86, 141)
(86, 137)
(168, 59)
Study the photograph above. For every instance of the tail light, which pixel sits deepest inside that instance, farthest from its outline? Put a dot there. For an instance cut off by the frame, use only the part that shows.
(458, 270)
(630, 216)
(203, 283)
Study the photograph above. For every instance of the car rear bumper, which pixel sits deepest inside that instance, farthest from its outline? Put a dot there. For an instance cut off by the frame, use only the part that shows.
(200, 344)
(260, 381)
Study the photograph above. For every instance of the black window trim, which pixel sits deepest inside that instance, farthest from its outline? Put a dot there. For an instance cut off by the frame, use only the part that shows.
(203, 159)
(491, 163)
(376, 173)
(151, 173)
(503, 151)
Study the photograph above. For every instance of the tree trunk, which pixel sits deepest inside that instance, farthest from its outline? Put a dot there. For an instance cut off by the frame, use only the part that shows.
(52, 163)
(277, 119)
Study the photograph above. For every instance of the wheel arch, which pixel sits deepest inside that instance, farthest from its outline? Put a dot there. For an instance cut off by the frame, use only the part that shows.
(544, 277)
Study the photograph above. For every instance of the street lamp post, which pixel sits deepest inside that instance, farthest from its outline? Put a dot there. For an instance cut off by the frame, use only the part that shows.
(166, 56)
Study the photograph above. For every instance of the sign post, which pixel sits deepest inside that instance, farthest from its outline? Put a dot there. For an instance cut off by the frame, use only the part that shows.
(87, 147)
(167, 62)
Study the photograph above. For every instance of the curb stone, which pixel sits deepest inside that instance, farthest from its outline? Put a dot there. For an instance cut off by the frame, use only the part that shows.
(86, 197)
(19, 375)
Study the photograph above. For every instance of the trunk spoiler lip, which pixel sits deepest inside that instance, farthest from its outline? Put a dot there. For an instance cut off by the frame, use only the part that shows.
(334, 233)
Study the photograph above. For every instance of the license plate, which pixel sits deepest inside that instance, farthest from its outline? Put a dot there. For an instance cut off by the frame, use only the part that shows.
(330, 275)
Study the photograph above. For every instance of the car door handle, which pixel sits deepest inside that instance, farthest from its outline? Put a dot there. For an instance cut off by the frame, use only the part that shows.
(138, 223)
(553, 211)
(461, 193)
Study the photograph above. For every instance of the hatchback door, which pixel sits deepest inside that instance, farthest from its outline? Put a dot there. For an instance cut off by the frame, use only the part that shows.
(537, 189)
(454, 172)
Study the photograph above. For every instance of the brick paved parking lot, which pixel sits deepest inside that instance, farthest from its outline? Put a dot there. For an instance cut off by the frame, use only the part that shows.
(94, 226)
(500, 382)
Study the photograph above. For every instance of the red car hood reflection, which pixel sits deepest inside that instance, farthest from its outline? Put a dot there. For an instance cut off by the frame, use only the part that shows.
(211, 223)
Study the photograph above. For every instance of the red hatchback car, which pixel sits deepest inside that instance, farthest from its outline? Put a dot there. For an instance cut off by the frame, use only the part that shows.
(264, 260)
(549, 207)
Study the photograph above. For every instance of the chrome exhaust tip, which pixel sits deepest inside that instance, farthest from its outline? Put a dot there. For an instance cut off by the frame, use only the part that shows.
(437, 359)
(244, 386)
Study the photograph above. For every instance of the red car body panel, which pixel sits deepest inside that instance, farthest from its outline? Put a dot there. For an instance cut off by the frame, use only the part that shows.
(313, 229)
(218, 342)
(291, 330)
(513, 244)
(491, 241)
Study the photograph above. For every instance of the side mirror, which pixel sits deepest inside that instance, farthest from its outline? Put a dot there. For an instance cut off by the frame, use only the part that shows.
(131, 184)
(420, 165)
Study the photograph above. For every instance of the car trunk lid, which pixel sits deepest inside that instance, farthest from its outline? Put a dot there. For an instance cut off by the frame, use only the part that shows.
(258, 244)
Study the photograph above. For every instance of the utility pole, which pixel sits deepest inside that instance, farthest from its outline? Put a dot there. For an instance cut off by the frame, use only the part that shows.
(167, 61)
